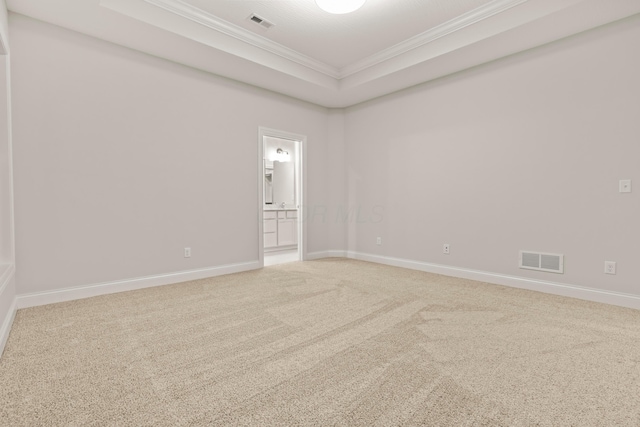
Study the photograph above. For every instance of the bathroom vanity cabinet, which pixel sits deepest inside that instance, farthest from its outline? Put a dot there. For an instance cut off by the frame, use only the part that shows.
(280, 229)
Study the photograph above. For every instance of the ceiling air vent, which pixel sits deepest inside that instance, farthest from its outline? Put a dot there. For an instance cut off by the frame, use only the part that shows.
(261, 21)
(553, 263)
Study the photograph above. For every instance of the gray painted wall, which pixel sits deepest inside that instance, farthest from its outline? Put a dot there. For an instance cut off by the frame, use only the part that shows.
(522, 153)
(123, 159)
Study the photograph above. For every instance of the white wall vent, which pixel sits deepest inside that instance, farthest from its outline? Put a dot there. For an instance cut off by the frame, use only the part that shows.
(261, 21)
(553, 263)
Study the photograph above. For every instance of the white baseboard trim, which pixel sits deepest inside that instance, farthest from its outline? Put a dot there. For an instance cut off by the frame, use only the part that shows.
(5, 327)
(69, 294)
(573, 291)
(6, 274)
(326, 254)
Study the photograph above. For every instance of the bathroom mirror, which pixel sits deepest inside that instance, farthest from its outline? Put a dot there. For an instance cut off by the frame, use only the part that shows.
(279, 184)
(284, 184)
(280, 169)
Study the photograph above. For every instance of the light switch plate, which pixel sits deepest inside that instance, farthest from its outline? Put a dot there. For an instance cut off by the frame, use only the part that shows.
(625, 186)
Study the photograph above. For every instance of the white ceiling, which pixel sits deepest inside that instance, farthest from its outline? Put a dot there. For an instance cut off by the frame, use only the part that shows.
(339, 40)
(330, 60)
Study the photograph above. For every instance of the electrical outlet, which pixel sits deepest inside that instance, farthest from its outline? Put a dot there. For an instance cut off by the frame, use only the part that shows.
(625, 186)
(379, 241)
(445, 248)
(187, 252)
(609, 267)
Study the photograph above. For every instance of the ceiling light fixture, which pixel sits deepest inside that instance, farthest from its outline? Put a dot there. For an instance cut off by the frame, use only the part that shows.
(340, 6)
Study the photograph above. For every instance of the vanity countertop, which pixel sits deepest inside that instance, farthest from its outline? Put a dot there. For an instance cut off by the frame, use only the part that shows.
(276, 208)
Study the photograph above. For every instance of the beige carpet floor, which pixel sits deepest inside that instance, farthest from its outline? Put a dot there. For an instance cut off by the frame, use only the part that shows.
(323, 343)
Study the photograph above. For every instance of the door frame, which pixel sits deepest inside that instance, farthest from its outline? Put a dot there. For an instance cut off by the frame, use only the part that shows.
(301, 187)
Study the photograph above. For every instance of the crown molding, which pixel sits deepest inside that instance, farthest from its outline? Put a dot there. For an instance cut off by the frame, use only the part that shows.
(491, 32)
(456, 24)
(197, 15)
(202, 17)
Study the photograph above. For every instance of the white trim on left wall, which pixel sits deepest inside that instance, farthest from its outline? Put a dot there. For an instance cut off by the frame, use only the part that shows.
(5, 327)
(80, 292)
(7, 323)
(8, 274)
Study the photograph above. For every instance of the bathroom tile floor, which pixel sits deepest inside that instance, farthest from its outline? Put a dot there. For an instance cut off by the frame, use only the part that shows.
(281, 257)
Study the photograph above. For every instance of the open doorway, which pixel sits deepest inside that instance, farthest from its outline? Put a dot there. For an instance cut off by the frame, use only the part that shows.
(281, 175)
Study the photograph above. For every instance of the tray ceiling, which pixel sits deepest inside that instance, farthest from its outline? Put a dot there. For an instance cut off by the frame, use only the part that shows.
(330, 60)
(339, 40)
